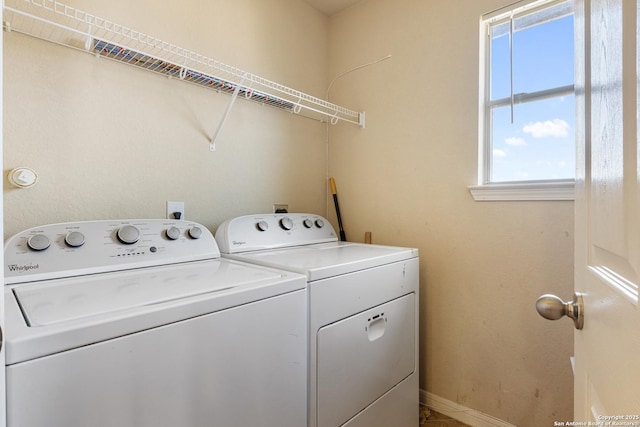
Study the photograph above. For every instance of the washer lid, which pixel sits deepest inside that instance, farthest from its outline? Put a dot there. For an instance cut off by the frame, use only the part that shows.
(57, 315)
(62, 300)
(320, 261)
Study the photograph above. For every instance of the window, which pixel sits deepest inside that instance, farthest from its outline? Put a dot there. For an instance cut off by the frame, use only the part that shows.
(528, 110)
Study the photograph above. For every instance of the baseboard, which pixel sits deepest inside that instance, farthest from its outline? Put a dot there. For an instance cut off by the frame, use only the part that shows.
(461, 413)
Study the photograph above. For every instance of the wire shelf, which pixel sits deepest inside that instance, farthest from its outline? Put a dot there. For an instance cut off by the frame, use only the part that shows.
(56, 22)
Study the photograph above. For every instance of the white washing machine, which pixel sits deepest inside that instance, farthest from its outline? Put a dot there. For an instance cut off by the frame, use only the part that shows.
(141, 323)
(363, 316)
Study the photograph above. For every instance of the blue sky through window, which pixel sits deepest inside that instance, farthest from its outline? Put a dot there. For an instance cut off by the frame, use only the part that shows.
(540, 143)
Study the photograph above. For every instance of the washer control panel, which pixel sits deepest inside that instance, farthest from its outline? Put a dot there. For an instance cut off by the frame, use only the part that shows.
(270, 231)
(87, 247)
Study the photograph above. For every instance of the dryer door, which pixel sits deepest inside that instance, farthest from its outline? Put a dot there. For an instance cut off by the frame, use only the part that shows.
(362, 357)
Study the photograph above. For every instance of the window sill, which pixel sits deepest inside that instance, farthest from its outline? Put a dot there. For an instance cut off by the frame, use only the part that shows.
(523, 191)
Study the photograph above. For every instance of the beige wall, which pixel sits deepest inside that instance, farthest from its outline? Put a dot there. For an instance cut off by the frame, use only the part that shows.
(111, 141)
(404, 178)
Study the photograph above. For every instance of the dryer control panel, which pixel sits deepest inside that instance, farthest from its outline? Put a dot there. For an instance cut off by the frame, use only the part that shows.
(87, 247)
(270, 231)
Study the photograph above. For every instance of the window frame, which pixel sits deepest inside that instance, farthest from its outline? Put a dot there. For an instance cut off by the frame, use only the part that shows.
(562, 189)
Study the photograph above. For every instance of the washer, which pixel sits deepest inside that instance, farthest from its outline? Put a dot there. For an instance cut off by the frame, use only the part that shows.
(363, 315)
(141, 323)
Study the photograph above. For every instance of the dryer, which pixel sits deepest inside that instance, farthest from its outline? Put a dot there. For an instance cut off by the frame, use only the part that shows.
(363, 315)
(141, 323)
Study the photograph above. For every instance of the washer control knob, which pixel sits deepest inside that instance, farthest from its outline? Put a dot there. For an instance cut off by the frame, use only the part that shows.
(195, 232)
(262, 226)
(319, 223)
(286, 223)
(173, 233)
(307, 223)
(38, 242)
(128, 234)
(74, 239)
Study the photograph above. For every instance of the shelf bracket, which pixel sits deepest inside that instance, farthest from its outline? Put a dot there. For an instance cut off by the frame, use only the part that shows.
(361, 120)
(236, 90)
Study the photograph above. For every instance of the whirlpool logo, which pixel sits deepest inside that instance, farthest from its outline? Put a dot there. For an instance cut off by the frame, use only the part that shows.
(22, 268)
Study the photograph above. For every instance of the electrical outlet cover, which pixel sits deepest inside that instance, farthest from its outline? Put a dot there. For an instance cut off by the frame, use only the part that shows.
(280, 208)
(173, 207)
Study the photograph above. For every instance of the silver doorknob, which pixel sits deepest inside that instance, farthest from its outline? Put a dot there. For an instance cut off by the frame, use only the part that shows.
(553, 308)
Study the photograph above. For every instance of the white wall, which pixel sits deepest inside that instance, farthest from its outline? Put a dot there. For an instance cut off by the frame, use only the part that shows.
(404, 178)
(111, 141)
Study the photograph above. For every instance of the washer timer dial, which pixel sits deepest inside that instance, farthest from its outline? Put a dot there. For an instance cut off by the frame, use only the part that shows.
(128, 234)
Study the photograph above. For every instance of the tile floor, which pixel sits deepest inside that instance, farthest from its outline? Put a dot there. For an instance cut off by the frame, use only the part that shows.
(430, 418)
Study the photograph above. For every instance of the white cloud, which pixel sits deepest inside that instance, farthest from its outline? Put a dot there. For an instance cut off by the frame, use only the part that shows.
(556, 128)
(499, 153)
(515, 141)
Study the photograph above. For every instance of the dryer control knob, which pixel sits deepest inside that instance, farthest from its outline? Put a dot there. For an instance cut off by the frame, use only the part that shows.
(38, 242)
(262, 226)
(319, 223)
(307, 223)
(173, 233)
(74, 239)
(286, 223)
(195, 232)
(128, 234)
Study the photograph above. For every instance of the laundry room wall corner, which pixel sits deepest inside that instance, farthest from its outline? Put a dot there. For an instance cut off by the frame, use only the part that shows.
(404, 178)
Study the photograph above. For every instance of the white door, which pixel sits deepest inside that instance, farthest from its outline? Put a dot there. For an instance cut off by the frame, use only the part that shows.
(607, 270)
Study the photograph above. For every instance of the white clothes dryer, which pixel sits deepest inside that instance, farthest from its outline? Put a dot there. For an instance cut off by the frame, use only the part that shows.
(141, 323)
(363, 315)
